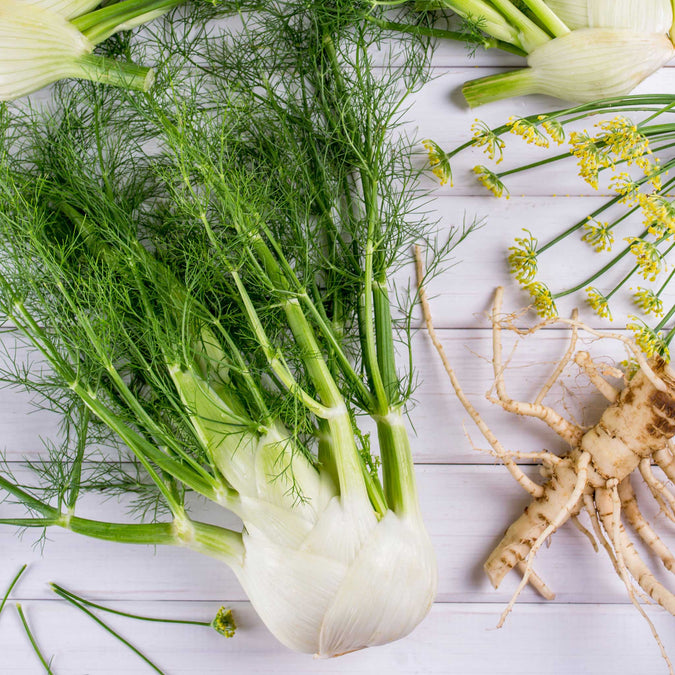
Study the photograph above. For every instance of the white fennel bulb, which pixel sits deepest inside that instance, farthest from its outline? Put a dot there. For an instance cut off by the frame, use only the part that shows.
(584, 65)
(66, 8)
(37, 47)
(649, 16)
(330, 593)
(326, 573)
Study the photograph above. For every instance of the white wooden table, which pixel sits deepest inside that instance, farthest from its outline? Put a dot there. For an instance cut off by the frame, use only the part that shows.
(468, 499)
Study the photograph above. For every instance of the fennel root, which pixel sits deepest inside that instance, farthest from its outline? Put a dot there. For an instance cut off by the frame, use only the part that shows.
(595, 475)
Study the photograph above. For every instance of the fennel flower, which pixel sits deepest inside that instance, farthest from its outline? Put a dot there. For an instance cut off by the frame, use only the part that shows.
(490, 180)
(438, 161)
(542, 299)
(553, 128)
(629, 189)
(523, 258)
(647, 257)
(484, 137)
(39, 47)
(658, 213)
(528, 130)
(598, 235)
(651, 343)
(599, 303)
(648, 301)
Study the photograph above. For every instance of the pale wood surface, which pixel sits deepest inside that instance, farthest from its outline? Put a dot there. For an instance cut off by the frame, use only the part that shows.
(467, 498)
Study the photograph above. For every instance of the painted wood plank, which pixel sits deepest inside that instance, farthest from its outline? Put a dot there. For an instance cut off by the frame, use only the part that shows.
(453, 639)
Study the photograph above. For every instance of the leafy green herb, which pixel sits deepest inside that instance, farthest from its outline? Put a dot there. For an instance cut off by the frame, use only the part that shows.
(207, 270)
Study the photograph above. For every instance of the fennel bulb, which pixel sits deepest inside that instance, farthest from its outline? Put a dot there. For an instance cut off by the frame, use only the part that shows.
(66, 8)
(652, 16)
(39, 45)
(579, 50)
(584, 65)
(215, 308)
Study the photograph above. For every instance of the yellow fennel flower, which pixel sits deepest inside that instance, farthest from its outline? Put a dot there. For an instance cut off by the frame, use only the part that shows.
(647, 257)
(484, 137)
(583, 147)
(624, 185)
(438, 161)
(654, 173)
(554, 129)
(528, 130)
(523, 258)
(598, 302)
(622, 140)
(542, 299)
(491, 181)
(598, 235)
(649, 341)
(648, 301)
(659, 214)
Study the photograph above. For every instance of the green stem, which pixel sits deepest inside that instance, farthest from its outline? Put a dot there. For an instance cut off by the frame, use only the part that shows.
(369, 187)
(76, 470)
(532, 35)
(384, 336)
(116, 73)
(665, 283)
(112, 632)
(547, 17)
(597, 274)
(352, 475)
(400, 486)
(491, 21)
(500, 86)
(217, 542)
(11, 587)
(276, 362)
(663, 322)
(100, 24)
(33, 642)
(426, 31)
(65, 594)
(622, 282)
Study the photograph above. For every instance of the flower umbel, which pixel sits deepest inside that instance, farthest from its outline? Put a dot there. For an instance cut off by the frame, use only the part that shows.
(649, 341)
(491, 181)
(484, 137)
(528, 130)
(523, 258)
(622, 140)
(542, 299)
(648, 301)
(554, 129)
(624, 185)
(583, 147)
(648, 257)
(438, 161)
(598, 235)
(659, 214)
(598, 302)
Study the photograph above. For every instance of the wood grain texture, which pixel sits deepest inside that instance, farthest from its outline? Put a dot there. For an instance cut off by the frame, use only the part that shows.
(467, 499)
